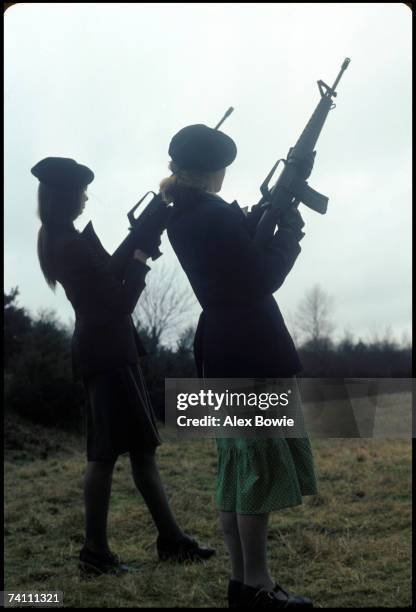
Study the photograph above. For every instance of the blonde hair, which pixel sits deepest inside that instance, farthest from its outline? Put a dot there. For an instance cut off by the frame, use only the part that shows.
(187, 180)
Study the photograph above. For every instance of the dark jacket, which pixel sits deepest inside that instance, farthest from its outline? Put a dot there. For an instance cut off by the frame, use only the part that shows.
(241, 332)
(103, 291)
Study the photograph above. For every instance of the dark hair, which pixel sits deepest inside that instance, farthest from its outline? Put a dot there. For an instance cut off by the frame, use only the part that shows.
(57, 207)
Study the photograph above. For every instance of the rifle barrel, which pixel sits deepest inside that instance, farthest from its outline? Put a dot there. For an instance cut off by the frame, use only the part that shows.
(343, 67)
(227, 114)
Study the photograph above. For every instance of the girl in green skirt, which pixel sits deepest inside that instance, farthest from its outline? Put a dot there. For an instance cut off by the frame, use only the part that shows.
(241, 334)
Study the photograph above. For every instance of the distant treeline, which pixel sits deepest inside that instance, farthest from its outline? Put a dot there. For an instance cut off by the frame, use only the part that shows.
(38, 378)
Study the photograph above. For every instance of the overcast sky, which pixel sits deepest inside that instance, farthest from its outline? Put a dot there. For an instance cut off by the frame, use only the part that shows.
(110, 84)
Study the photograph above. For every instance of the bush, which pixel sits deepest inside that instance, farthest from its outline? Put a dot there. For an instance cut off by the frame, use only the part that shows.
(38, 372)
(38, 379)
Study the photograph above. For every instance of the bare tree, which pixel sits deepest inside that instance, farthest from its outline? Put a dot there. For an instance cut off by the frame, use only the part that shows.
(406, 340)
(165, 305)
(313, 316)
(185, 341)
(346, 342)
(385, 340)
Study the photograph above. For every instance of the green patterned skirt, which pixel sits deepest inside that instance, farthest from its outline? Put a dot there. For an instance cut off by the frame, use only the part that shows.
(256, 476)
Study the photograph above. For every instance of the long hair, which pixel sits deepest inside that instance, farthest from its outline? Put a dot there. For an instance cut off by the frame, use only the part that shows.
(183, 181)
(57, 207)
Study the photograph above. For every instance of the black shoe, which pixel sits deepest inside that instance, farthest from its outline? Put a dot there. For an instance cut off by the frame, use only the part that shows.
(185, 549)
(102, 563)
(298, 599)
(254, 597)
(234, 592)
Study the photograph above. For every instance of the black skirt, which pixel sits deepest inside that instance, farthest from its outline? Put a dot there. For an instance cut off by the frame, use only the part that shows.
(119, 416)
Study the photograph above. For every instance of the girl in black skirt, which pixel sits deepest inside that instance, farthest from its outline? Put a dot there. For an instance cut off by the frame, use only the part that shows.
(103, 290)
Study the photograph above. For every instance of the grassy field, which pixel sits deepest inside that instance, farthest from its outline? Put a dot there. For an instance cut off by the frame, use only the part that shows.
(349, 546)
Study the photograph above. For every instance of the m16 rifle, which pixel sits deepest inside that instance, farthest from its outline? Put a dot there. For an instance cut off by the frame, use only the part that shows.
(157, 203)
(291, 188)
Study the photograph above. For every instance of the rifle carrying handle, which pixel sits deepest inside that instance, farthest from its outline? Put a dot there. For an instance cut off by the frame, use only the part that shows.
(130, 214)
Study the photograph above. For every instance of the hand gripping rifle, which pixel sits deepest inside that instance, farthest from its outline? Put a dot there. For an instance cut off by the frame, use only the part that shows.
(157, 202)
(290, 189)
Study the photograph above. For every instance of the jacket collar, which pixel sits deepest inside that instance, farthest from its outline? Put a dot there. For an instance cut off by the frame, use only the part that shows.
(88, 230)
(180, 206)
(235, 206)
(89, 234)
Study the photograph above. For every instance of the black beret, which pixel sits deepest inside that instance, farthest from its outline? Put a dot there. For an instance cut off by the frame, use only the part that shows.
(62, 172)
(199, 147)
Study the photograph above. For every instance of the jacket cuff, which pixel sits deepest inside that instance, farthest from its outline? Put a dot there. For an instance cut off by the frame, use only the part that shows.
(286, 236)
(141, 266)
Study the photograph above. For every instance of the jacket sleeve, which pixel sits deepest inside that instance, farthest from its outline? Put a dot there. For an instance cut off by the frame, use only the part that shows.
(253, 217)
(122, 255)
(96, 275)
(227, 241)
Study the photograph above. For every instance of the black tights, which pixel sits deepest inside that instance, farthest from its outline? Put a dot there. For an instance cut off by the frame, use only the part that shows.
(97, 492)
